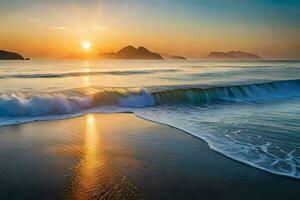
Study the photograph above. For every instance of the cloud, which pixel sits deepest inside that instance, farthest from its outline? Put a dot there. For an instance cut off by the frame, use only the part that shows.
(61, 27)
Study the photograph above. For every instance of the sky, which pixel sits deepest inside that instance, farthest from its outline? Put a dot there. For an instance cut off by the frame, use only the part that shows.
(191, 28)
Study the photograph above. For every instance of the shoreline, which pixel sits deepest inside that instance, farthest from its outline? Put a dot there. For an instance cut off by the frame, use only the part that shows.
(143, 159)
(216, 151)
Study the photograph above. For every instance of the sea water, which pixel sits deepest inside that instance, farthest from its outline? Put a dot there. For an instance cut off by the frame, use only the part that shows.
(246, 110)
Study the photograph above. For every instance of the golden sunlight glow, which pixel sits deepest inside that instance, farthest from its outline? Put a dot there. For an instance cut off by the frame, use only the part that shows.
(92, 158)
(86, 45)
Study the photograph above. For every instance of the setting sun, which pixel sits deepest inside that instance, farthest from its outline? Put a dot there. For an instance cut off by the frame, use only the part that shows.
(86, 45)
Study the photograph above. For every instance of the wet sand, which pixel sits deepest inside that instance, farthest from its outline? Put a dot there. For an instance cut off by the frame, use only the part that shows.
(119, 156)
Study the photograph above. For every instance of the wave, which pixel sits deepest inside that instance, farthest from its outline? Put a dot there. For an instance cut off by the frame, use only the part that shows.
(26, 105)
(237, 93)
(68, 102)
(93, 73)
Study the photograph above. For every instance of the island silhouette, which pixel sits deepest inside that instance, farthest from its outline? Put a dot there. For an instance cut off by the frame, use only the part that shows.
(7, 55)
(130, 52)
(239, 55)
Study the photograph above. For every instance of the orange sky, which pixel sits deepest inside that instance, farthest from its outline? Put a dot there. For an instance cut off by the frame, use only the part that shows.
(53, 30)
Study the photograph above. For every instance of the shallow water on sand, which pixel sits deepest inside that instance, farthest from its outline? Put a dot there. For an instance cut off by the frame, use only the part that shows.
(119, 156)
(66, 159)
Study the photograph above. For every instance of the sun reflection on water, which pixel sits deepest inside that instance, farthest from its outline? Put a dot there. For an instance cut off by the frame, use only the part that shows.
(86, 177)
(92, 147)
(96, 176)
(86, 69)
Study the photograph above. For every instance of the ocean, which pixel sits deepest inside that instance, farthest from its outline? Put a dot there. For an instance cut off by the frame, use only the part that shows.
(248, 111)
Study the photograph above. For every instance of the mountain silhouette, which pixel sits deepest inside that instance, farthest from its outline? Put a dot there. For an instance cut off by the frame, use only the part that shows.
(130, 53)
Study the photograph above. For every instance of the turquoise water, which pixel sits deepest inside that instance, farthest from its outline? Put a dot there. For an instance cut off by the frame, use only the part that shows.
(248, 111)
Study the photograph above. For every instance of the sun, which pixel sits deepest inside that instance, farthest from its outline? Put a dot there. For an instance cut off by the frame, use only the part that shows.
(86, 45)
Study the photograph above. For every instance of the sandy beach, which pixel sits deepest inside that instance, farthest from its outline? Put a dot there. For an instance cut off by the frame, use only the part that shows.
(120, 156)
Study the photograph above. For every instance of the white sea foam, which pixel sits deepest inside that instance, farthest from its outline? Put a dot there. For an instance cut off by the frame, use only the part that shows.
(250, 133)
(38, 105)
(143, 99)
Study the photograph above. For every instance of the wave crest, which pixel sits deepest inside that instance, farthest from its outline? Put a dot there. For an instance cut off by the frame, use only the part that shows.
(237, 93)
(16, 106)
(24, 105)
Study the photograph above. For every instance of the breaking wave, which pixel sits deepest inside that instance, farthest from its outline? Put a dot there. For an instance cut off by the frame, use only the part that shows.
(237, 93)
(68, 102)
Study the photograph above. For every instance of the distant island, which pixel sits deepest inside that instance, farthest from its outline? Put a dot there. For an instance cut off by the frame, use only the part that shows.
(6, 55)
(239, 55)
(167, 56)
(131, 53)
